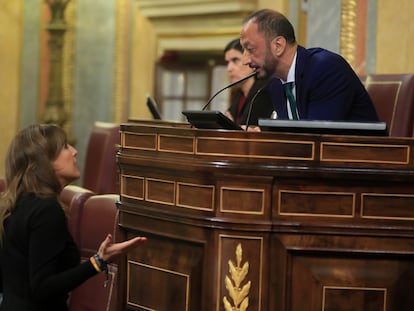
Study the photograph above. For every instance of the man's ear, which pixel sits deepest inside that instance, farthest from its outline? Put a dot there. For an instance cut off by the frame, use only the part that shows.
(277, 45)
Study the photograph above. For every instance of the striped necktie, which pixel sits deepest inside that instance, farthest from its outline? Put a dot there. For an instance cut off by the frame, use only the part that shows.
(292, 102)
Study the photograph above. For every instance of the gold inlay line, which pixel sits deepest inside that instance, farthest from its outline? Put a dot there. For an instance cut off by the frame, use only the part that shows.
(251, 142)
(159, 136)
(124, 134)
(406, 148)
(353, 195)
(173, 183)
(212, 187)
(379, 289)
(260, 191)
(395, 195)
(122, 182)
(185, 276)
(348, 30)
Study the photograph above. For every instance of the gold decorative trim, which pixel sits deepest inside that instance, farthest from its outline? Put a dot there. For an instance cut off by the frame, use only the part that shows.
(122, 138)
(173, 199)
(384, 146)
(60, 59)
(353, 195)
(176, 196)
(273, 143)
(186, 276)
(194, 207)
(122, 180)
(363, 195)
(164, 9)
(379, 289)
(141, 307)
(176, 22)
(121, 61)
(67, 66)
(124, 134)
(260, 191)
(194, 33)
(159, 147)
(220, 268)
(238, 293)
(348, 30)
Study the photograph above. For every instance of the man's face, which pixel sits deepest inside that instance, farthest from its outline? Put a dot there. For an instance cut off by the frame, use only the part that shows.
(257, 53)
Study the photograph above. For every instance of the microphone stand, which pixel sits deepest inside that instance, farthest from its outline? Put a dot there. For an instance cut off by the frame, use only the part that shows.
(228, 86)
(252, 102)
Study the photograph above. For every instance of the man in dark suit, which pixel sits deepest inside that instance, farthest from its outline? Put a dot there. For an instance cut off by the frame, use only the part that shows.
(312, 84)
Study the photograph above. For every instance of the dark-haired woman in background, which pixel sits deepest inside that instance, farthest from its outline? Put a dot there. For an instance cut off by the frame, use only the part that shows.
(40, 263)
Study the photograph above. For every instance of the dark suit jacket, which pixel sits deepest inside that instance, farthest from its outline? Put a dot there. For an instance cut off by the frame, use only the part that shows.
(262, 104)
(326, 89)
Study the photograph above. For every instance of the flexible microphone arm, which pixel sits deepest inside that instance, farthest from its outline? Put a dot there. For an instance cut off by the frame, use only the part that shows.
(253, 100)
(229, 86)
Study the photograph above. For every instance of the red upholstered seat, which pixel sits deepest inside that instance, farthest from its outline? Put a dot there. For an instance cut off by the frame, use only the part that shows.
(393, 97)
(99, 217)
(100, 173)
(74, 197)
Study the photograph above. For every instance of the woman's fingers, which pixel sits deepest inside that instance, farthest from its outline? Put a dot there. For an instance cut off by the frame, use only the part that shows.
(110, 250)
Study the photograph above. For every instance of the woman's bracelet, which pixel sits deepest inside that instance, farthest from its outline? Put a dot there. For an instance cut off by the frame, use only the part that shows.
(100, 265)
(95, 264)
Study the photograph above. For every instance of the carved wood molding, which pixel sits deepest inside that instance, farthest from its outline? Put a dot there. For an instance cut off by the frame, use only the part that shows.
(348, 30)
(169, 8)
(195, 25)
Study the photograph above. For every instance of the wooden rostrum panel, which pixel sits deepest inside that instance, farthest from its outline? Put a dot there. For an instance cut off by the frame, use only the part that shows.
(265, 221)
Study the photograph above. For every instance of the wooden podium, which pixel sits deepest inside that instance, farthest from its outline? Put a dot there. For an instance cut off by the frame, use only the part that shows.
(264, 221)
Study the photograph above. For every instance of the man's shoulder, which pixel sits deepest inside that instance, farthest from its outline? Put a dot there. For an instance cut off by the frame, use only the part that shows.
(318, 53)
(318, 59)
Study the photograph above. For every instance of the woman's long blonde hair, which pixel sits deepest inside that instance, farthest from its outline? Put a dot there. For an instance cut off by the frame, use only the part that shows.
(29, 166)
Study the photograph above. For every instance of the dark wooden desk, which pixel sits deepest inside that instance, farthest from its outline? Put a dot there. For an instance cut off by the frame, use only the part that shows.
(265, 221)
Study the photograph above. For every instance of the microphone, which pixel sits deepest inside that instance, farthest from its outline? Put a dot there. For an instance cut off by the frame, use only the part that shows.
(254, 73)
(266, 84)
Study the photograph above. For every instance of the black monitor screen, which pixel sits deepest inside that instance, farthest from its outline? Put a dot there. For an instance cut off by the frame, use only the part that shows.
(210, 120)
(325, 127)
(152, 106)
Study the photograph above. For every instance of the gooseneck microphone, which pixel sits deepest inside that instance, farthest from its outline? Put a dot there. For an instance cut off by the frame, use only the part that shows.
(253, 101)
(228, 86)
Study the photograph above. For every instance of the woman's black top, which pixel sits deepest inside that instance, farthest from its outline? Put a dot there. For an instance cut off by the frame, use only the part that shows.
(40, 263)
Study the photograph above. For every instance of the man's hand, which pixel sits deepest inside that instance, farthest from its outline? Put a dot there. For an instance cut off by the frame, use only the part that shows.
(251, 128)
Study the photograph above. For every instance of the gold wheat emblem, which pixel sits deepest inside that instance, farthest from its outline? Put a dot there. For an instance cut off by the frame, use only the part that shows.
(237, 292)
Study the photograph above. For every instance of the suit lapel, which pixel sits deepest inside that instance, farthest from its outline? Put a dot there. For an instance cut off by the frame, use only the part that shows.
(300, 67)
(278, 98)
